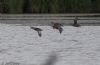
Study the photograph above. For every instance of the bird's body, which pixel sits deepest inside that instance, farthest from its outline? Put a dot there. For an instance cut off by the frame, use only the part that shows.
(75, 22)
(76, 25)
(38, 30)
(57, 26)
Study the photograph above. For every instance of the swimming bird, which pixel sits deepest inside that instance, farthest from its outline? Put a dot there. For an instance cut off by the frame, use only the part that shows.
(38, 30)
(75, 22)
(57, 26)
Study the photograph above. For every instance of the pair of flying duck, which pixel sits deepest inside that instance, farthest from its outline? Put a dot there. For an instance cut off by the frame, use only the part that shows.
(57, 26)
(54, 25)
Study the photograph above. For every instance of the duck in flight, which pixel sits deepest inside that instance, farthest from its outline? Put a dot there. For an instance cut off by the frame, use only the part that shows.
(38, 30)
(57, 26)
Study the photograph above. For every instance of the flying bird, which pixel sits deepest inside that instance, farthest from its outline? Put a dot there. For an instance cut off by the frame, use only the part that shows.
(57, 26)
(75, 22)
(38, 30)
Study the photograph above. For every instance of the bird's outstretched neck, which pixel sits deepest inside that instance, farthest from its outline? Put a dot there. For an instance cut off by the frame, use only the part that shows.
(33, 28)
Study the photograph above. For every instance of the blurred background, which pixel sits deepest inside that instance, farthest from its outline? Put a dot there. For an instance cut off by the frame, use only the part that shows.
(49, 6)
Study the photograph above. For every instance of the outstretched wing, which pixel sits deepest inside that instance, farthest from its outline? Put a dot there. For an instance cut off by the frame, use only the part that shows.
(60, 30)
(39, 33)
